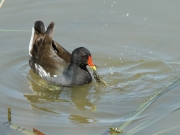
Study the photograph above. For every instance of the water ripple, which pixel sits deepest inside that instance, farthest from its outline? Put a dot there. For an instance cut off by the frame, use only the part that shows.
(85, 104)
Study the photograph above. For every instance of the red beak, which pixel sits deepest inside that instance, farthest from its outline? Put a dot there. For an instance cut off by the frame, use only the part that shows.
(90, 63)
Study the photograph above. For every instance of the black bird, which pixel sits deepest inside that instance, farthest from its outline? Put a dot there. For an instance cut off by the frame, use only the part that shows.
(55, 64)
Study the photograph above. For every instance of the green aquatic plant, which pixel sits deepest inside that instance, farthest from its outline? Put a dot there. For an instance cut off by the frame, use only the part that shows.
(9, 114)
(98, 78)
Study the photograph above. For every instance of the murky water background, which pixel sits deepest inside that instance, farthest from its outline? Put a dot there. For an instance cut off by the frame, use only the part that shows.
(134, 43)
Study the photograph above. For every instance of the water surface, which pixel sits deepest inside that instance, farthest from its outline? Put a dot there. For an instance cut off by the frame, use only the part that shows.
(134, 43)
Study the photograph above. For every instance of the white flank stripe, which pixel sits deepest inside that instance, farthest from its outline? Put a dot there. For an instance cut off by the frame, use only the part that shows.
(42, 73)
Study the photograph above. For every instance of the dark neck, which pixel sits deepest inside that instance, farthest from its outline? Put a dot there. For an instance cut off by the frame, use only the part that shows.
(82, 66)
(79, 74)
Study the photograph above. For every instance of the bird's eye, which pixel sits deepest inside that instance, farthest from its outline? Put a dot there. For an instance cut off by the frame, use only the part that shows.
(82, 56)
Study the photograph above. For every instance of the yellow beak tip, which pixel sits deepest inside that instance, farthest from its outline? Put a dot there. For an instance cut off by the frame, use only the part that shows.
(93, 67)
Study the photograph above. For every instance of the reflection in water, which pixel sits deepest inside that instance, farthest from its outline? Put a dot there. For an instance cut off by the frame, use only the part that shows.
(82, 119)
(80, 99)
(45, 95)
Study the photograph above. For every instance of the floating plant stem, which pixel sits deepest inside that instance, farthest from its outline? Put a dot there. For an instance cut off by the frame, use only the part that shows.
(144, 125)
(20, 129)
(144, 105)
(167, 130)
(148, 123)
(37, 132)
(129, 118)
